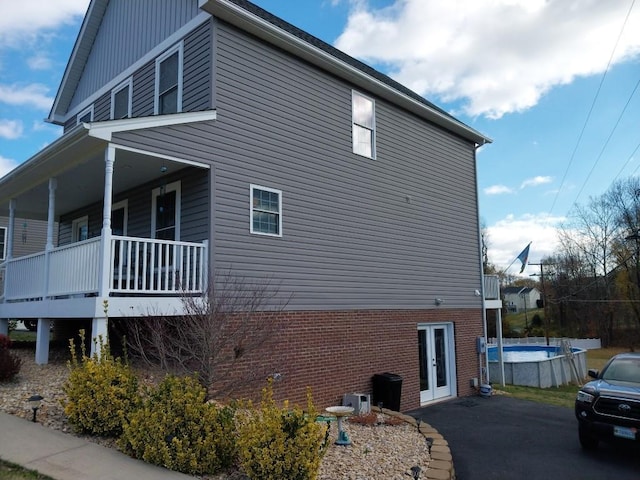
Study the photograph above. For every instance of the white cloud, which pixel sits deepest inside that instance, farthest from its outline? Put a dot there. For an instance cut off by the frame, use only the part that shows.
(34, 95)
(496, 56)
(535, 181)
(27, 18)
(510, 235)
(39, 62)
(11, 129)
(6, 165)
(497, 190)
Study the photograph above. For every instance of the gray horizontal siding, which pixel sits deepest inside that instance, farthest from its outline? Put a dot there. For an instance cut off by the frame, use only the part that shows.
(394, 232)
(129, 29)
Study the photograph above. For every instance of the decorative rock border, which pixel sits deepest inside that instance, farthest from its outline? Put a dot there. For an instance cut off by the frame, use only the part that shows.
(441, 464)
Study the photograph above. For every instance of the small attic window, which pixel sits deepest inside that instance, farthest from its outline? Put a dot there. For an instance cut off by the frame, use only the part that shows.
(168, 94)
(121, 101)
(85, 116)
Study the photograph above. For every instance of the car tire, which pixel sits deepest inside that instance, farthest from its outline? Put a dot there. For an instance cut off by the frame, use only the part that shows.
(587, 441)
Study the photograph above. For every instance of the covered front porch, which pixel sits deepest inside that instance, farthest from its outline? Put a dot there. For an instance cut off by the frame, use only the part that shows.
(118, 212)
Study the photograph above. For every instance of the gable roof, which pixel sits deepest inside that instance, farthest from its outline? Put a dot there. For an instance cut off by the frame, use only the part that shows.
(519, 290)
(272, 29)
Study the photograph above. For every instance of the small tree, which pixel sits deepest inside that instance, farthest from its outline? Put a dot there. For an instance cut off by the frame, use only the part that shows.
(234, 318)
(9, 363)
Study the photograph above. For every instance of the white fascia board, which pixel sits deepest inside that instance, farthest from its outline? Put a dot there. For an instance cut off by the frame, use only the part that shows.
(105, 130)
(261, 28)
(169, 158)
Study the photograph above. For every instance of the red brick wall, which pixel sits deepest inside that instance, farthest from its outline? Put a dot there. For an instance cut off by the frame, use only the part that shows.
(338, 352)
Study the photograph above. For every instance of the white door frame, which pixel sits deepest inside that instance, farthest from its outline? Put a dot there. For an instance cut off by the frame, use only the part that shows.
(448, 389)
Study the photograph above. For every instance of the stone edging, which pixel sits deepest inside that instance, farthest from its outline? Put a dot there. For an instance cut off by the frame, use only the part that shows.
(441, 464)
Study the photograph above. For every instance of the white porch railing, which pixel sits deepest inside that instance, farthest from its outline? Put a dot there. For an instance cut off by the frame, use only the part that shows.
(491, 287)
(137, 266)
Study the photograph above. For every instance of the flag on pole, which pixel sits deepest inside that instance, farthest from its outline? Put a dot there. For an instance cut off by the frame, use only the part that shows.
(524, 257)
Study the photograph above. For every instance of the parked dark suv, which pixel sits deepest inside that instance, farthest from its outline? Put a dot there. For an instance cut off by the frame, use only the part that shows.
(608, 407)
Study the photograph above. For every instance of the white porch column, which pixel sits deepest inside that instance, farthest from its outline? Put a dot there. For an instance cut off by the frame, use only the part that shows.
(99, 330)
(42, 341)
(105, 266)
(11, 228)
(499, 347)
(53, 184)
(4, 326)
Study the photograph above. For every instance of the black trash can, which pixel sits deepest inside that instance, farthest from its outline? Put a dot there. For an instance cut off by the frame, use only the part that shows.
(387, 389)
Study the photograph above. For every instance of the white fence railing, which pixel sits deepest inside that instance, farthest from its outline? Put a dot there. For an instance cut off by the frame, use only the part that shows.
(491, 287)
(584, 343)
(137, 265)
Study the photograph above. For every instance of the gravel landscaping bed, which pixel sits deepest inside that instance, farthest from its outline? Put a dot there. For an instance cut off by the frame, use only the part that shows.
(378, 452)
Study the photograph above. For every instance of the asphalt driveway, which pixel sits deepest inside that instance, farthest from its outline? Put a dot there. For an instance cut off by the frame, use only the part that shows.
(505, 438)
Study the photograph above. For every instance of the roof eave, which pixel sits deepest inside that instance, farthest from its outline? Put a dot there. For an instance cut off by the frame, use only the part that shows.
(261, 28)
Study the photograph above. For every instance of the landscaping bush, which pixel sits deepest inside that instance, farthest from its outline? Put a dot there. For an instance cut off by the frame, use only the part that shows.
(276, 443)
(100, 392)
(177, 429)
(9, 363)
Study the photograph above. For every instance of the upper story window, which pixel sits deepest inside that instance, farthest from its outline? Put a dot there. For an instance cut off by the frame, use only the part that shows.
(3, 243)
(85, 116)
(364, 125)
(168, 94)
(266, 211)
(121, 100)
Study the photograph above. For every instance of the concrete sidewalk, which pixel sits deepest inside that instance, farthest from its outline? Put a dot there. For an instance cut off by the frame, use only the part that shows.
(66, 457)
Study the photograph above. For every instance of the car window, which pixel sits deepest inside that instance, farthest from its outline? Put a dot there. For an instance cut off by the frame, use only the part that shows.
(623, 370)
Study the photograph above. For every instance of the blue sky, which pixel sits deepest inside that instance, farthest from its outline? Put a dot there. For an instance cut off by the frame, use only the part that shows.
(523, 72)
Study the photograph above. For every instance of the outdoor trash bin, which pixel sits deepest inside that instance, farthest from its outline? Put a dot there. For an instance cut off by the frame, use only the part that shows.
(387, 389)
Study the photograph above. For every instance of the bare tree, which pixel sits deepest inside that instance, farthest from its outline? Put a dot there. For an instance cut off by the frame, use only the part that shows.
(234, 319)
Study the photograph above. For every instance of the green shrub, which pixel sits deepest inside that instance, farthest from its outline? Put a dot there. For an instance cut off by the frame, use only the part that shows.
(276, 443)
(177, 429)
(9, 363)
(100, 392)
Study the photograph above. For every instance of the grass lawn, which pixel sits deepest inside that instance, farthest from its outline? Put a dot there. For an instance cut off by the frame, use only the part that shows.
(10, 471)
(562, 396)
(22, 336)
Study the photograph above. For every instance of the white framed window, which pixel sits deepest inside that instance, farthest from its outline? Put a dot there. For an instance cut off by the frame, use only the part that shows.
(266, 211)
(364, 125)
(121, 100)
(80, 229)
(3, 243)
(168, 86)
(85, 116)
(165, 212)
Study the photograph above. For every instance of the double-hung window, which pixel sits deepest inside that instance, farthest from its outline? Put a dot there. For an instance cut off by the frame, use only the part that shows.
(266, 211)
(168, 89)
(121, 100)
(364, 125)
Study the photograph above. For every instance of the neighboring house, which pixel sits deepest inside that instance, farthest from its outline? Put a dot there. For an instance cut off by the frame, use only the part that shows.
(519, 299)
(202, 135)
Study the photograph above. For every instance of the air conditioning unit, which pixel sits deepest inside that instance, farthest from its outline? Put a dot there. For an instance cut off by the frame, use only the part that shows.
(360, 402)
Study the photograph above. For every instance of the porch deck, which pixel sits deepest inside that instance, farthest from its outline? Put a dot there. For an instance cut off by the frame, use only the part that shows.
(74, 280)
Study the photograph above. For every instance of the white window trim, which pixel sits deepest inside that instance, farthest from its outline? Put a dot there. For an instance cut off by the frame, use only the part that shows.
(117, 206)
(355, 93)
(156, 95)
(267, 189)
(155, 193)
(89, 110)
(75, 227)
(4, 246)
(127, 83)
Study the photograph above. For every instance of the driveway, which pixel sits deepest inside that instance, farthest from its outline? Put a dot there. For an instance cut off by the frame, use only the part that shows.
(505, 438)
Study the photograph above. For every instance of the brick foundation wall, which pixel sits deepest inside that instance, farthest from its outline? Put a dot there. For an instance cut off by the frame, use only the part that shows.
(338, 352)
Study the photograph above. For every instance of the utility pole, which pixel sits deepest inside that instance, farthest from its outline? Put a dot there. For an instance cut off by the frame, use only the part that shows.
(544, 299)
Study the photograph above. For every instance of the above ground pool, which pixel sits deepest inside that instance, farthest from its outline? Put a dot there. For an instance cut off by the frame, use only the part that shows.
(537, 365)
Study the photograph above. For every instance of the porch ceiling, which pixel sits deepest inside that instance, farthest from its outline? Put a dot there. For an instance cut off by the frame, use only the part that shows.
(78, 165)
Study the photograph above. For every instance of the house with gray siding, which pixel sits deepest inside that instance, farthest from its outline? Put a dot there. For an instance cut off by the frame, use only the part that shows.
(209, 135)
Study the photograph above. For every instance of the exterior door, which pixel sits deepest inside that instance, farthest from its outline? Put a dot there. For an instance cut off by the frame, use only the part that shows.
(435, 362)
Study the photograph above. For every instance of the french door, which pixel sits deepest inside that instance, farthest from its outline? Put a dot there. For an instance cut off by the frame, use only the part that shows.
(435, 362)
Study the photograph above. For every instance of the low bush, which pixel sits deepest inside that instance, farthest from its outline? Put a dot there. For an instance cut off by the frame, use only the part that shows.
(276, 443)
(9, 363)
(177, 429)
(100, 392)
